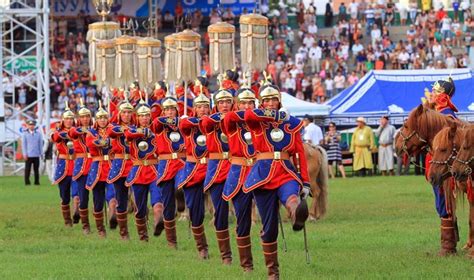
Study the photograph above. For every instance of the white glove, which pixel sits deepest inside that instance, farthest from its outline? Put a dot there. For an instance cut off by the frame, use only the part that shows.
(305, 192)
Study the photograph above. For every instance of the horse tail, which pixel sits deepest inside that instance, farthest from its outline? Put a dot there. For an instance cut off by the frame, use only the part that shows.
(323, 183)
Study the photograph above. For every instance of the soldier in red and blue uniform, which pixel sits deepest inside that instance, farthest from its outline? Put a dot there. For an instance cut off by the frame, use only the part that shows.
(121, 163)
(65, 162)
(98, 145)
(143, 149)
(442, 92)
(171, 160)
(274, 178)
(242, 151)
(82, 163)
(218, 169)
(191, 177)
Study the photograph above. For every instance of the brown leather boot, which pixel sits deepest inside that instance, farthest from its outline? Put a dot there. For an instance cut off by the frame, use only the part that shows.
(245, 252)
(298, 209)
(84, 213)
(142, 229)
(122, 223)
(170, 230)
(66, 210)
(99, 222)
(112, 213)
(270, 252)
(223, 241)
(75, 204)
(158, 224)
(201, 242)
(448, 237)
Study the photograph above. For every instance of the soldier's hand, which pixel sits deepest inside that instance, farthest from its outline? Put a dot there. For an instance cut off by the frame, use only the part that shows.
(306, 191)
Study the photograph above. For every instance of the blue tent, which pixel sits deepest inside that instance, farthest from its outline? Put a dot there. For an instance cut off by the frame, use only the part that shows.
(396, 93)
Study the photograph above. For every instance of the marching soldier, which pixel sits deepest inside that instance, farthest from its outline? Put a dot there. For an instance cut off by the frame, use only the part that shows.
(171, 160)
(65, 162)
(218, 169)
(99, 146)
(121, 163)
(277, 139)
(191, 177)
(82, 163)
(240, 144)
(143, 147)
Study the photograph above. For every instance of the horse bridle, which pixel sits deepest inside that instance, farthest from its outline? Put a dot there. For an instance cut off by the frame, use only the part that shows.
(407, 138)
(446, 162)
(468, 170)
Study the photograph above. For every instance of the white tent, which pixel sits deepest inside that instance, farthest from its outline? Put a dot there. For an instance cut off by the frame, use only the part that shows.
(300, 108)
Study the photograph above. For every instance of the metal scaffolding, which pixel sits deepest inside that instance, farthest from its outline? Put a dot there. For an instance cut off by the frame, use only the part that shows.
(24, 44)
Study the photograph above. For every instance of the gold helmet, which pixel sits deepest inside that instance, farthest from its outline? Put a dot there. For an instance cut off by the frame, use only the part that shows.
(245, 94)
(83, 111)
(268, 90)
(101, 113)
(169, 102)
(125, 105)
(68, 114)
(142, 108)
(222, 94)
(201, 99)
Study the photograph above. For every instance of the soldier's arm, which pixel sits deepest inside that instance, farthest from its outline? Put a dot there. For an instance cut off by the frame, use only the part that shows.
(265, 115)
(231, 120)
(59, 135)
(131, 134)
(159, 124)
(187, 124)
(114, 131)
(208, 123)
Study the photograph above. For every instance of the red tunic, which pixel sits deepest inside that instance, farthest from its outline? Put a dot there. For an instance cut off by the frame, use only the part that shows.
(78, 135)
(143, 174)
(121, 147)
(60, 138)
(95, 140)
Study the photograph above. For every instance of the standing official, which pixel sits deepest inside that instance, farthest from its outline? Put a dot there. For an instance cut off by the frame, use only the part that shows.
(386, 134)
(242, 160)
(32, 145)
(218, 169)
(280, 173)
(362, 145)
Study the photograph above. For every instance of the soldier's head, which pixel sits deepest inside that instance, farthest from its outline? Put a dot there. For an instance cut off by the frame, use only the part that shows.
(224, 101)
(170, 107)
(125, 112)
(67, 117)
(201, 105)
(246, 98)
(101, 117)
(444, 86)
(269, 94)
(143, 114)
(84, 114)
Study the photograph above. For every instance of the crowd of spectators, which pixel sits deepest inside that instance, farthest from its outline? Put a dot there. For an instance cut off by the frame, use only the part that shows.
(308, 62)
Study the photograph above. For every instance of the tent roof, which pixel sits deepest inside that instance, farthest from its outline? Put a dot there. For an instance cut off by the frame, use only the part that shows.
(397, 92)
(299, 108)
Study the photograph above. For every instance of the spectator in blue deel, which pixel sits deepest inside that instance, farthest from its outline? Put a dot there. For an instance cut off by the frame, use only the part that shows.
(32, 146)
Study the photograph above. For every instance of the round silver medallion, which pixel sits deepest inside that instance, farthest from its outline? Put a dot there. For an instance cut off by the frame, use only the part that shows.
(248, 137)
(143, 146)
(277, 134)
(224, 138)
(69, 144)
(201, 140)
(175, 136)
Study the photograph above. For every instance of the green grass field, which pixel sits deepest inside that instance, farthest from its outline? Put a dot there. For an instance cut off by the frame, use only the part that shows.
(375, 228)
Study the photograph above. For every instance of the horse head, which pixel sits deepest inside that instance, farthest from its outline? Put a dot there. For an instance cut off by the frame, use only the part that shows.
(409, 140)
(464, 162)
(445, 147)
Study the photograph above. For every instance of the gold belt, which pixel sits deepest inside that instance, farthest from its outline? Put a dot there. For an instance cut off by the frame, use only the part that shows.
(224, 155)
(122, 156)
(171, 156)
(242, 161)
(65, 156)
(273, 155)
(83, 155)
(145, 162)
(101, 158)
(202, 160)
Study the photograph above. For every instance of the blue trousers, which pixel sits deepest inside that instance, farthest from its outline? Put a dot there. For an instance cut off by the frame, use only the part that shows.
(109, 192)
(221, 207)
(243, 211)
(155, 194)
(169, 200)
(440, 202)
(268, 207)
(140, 192)
(83, 192)
(74, 189)
(194, 197)
(65, 190)
(98, 193)
(121, 194)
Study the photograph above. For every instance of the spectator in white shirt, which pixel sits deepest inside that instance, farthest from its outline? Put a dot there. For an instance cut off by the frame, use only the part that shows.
(329, 84)
(315, 55)
(446, 27)
(312, 28)
(451, 61)
(404, 58)
(339, 82)
(353, 9)
(308, 41)
(290, 85)
(437, 51)
(376, 35)
(312, 133)
(356, 48)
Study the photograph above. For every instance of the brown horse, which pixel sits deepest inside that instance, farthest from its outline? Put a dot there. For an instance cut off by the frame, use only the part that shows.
(319, 178)
(417, 134)
(464, 163)
(446, 146)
